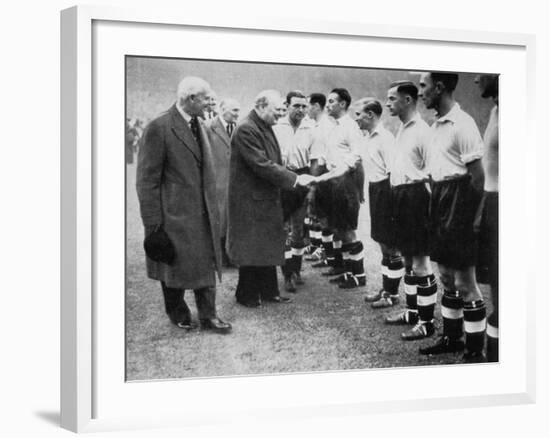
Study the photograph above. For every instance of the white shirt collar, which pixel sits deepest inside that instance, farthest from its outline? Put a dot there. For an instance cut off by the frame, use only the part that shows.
(451, 116)
(185, 116)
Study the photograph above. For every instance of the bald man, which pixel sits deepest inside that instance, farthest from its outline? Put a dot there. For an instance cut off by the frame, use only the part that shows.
(256, 237)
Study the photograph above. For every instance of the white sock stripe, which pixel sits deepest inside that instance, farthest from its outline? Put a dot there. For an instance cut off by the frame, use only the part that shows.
(492, 331)
(316, 234)
(345, 255)
(395, 274)
(326, 238)
(410, 289)
(357, 257)
(298, 251)
(426, 301)
(449, 313)
(288, 254)
(475, 326)
(360, 275)
(337, 244)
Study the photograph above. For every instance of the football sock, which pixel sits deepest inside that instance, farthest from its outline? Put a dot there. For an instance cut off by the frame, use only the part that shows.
(475, 325)
(426, 297)
(453, 314)
(394, 272)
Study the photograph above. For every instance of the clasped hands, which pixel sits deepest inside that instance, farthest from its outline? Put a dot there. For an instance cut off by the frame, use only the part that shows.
(306, 180)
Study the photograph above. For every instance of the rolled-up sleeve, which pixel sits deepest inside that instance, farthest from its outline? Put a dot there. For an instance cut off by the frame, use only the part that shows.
(469, 141)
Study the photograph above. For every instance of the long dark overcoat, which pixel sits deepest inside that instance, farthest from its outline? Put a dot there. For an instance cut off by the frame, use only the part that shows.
(177, 188)
(221, 151)
(256, 234)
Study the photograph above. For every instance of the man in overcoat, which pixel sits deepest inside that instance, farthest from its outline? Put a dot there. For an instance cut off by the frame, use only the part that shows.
(177, 193)
(256, 235)
(220, 132)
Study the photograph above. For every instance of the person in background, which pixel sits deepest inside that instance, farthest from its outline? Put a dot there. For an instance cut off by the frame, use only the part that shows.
(220, 132)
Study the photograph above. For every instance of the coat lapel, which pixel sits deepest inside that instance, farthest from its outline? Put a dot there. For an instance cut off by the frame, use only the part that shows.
(217, 127)
(209, 188)
(183, 132)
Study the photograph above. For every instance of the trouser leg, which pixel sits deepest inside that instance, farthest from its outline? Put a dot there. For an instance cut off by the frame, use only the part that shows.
(206, 302)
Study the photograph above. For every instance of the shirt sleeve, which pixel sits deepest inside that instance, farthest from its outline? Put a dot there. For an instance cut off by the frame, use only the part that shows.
(318, 147)
(469, 142)
(355, 141)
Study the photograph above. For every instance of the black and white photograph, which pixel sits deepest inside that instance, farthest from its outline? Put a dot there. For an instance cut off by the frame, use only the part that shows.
(289, 218)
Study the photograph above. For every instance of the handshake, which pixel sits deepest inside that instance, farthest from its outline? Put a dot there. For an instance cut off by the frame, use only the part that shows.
(305, 180)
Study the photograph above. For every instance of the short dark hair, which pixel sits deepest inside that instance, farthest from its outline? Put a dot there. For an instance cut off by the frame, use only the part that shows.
(319, 98)
(371, 104)
(406, 87)
(343, 94)
(449, 80)
(294, 93)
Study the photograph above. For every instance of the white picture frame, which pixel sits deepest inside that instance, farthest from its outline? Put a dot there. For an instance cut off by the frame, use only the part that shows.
(83, 363)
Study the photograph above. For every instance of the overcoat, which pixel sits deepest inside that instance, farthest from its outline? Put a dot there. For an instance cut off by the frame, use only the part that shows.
(221, 151)
(256, 235)
(176, 188)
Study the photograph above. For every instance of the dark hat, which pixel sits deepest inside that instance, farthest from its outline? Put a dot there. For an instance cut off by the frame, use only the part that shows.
(158, 247)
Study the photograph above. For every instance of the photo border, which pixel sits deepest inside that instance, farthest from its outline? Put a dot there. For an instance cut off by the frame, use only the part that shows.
(78, 198)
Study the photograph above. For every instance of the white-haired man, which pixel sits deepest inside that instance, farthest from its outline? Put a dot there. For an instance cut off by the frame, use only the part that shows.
(220, 132)
(177, 195)
(256, 237)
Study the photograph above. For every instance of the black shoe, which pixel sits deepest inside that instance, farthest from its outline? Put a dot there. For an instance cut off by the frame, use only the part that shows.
(290, 285)
(443, 345)
(249, 303)
(403, 318)
(420, 331)
(279, 299)
(184, 325)
(371, 298)
(216, 325)
(338, 280)
(474, 357)
(321, 264)
(336, 270)
(353, 281)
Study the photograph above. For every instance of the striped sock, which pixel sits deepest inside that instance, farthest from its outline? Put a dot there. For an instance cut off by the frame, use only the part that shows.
(453, 314)
(474, 325)
(357, 256)
(338, 258)
(394, 272)
(492, 338)
(328, 246)
(410, 295)
(426, 290)
(287, 267)
(384, 269)
(297, 254)
(346, 247)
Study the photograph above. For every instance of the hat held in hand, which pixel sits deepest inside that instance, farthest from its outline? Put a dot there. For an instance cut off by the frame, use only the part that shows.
(158, 246)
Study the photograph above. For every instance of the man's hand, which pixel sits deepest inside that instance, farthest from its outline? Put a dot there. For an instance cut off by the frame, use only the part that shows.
(305, 180)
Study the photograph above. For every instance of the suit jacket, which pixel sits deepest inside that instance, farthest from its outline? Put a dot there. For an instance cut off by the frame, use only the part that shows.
(256, 234)
(221, 151)
(176, 187)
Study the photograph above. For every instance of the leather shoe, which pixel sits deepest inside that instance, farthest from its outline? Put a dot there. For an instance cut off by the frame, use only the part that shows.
(279, 299)
(336, 270)
(216, 325)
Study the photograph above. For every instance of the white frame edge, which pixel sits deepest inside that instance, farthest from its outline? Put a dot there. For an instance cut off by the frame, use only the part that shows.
(77, 197)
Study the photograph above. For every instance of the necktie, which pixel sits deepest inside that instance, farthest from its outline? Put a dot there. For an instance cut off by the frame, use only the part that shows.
(230, 128)
(195, 130)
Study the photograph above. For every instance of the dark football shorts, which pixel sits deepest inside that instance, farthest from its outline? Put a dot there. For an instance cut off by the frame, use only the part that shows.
(486, 227)
(339, 199)
(293, 199)
(380, 207)
(452, 213)
(410, 211)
